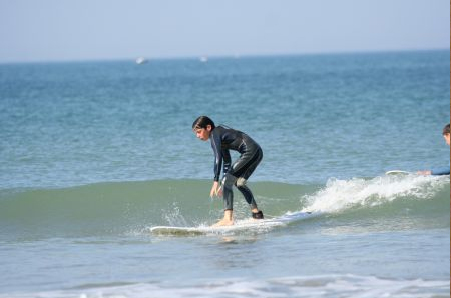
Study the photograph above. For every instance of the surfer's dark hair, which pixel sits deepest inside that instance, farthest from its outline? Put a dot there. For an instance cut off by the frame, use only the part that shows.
(202, 122)
(446, 129)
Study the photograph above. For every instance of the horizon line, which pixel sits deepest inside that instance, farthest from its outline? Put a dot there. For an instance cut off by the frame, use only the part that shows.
(219, 56)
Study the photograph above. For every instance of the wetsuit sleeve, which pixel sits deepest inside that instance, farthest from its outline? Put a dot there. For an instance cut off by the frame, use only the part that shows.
(227, 161)
(440, 171)
(216, 146)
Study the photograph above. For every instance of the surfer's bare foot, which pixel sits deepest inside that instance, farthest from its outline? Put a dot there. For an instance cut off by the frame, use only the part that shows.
(223, 222)
(227, 220)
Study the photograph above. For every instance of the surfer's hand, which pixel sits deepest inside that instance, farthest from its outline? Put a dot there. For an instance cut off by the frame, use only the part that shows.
(215, 189)
(424, 172)
(219, 192)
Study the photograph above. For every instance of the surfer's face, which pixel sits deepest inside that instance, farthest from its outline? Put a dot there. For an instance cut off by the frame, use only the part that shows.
(203, 133)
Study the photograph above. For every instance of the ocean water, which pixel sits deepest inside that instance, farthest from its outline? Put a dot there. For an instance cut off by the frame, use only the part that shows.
(93, 154)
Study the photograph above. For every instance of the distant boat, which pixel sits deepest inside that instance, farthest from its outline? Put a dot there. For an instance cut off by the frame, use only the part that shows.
(141, 60)
(203, 59)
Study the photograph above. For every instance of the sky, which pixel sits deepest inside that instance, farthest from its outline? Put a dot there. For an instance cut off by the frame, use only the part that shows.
(73, 30)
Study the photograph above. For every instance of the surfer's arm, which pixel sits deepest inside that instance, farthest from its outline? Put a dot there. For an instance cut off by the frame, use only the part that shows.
(216, 146)
(435, 171)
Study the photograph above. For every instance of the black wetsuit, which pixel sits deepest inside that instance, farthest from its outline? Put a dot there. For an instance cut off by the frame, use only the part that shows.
(222, 141)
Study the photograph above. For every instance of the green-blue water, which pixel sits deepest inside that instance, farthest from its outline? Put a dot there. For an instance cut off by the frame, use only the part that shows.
(94, 154)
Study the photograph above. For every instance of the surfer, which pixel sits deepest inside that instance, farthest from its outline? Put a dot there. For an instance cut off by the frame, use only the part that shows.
(441, 170)
(224, 139)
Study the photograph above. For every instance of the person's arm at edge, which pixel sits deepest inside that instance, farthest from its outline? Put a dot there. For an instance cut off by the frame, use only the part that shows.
(440, 171)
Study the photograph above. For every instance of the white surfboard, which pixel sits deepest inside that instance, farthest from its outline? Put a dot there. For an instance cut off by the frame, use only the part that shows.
(242, 225)
(397, 172)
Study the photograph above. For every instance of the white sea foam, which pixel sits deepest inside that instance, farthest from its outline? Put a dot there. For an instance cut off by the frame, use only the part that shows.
(339, 195)
(324, 286)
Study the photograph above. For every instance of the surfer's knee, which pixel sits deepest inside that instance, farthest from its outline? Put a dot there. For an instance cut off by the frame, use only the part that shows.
(240, 182)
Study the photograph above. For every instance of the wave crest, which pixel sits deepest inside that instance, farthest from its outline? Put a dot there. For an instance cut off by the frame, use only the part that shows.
(339, 195)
